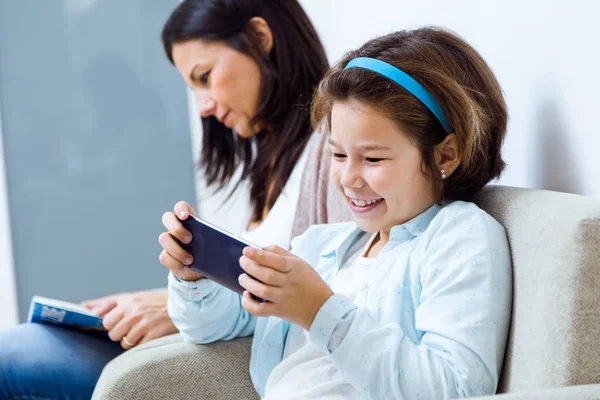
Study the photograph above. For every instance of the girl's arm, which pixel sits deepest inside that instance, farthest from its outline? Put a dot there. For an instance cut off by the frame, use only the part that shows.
(205, 312)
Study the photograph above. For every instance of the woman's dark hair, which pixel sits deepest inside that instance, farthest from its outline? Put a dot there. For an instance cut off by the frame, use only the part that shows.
(459, 79)
(290, 73)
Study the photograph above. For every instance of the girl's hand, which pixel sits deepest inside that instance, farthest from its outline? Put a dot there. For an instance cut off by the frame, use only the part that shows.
(173, 255)
(293, 289)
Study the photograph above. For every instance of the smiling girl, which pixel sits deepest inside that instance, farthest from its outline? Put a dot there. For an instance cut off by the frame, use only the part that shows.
(412, 299)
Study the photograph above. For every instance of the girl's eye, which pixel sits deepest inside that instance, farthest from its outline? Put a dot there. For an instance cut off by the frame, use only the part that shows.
(374, 160)
(338, 156)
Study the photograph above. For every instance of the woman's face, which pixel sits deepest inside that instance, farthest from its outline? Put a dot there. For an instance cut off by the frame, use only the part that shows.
(377, 168)
(226, 83)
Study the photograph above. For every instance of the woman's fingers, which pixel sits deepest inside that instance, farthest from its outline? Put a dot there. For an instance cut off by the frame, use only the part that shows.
(111, 319)
(172, 246)
(116, 334)
(102, 308)
(134, 336)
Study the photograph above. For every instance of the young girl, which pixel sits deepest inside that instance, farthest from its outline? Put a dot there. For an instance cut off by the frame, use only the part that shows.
(412, 299)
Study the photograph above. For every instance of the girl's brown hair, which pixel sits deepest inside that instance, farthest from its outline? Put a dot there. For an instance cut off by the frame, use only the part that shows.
(457, 77)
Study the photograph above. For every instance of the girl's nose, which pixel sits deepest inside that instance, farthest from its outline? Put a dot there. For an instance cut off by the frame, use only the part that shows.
(351, 177)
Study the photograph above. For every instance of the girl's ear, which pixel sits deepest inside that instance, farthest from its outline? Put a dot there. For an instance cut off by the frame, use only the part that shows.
(262, 31)
(447, 156)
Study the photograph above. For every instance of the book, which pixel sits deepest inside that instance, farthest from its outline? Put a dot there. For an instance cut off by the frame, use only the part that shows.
(44, 310)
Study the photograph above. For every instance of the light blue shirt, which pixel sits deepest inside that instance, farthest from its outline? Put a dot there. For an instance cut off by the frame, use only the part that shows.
(430, 322)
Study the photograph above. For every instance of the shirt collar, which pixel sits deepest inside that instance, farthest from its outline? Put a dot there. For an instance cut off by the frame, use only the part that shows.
(415, 226)
(342, 243)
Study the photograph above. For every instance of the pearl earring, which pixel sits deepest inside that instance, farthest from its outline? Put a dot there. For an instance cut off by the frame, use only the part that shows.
(443, 174)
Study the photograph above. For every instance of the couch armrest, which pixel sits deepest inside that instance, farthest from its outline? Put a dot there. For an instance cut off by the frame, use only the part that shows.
(169, 368)
(582, 392)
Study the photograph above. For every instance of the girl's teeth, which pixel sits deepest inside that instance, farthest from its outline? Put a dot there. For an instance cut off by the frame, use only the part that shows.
(364, 203)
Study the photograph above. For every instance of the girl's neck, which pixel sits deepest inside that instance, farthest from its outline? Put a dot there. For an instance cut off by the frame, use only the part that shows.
(377, 244)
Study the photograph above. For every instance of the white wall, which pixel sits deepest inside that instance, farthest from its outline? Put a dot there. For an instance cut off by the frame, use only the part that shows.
(545, 53)
(8, 297)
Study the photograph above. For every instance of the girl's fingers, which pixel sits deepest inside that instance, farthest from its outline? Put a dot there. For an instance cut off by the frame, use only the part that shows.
(267, 259)
(264, 309)
(266, 275)
(266, 292)
(182, 209)
(173, 225)
(172, 246)
(278, 250)
(178, 269)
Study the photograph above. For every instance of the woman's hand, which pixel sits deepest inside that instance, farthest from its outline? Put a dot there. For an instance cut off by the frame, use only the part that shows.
(140, 316)
(173, 255)
(293, 289)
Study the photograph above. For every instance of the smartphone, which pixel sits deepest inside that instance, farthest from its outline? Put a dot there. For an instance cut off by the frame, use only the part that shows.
(216, 253)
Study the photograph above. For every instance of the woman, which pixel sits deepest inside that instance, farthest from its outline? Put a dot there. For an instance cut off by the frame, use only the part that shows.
(252, 66)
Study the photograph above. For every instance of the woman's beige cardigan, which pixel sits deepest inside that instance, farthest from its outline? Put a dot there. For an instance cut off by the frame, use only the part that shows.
(319, 201)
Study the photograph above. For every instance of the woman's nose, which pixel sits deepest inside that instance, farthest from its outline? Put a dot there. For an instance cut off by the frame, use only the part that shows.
(206, 105)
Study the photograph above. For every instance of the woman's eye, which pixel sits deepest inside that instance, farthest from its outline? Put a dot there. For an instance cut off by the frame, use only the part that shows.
(203, 79)
(374, 160)
(338, 156)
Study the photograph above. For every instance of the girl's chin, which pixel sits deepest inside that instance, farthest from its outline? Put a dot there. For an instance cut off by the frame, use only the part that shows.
(367, 226)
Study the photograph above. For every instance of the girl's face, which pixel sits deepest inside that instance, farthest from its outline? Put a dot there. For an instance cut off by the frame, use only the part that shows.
(226, 83)
(376, 168)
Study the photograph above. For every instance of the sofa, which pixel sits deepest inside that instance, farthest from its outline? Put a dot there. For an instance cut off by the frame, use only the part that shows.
(553, 349)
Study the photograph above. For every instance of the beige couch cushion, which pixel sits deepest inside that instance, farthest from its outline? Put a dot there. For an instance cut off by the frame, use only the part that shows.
(169, 368)
(555, 245)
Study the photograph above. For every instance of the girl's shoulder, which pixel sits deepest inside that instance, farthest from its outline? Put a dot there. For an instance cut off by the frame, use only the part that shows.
(460, 219)
(465, 212)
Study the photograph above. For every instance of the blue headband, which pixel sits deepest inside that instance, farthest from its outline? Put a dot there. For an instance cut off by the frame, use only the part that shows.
(405, 81)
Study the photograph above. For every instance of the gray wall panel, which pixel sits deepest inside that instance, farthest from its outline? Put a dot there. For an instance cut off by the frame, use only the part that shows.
(97, 144)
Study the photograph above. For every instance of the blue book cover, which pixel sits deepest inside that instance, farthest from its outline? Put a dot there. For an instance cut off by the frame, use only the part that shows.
(68, 315)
